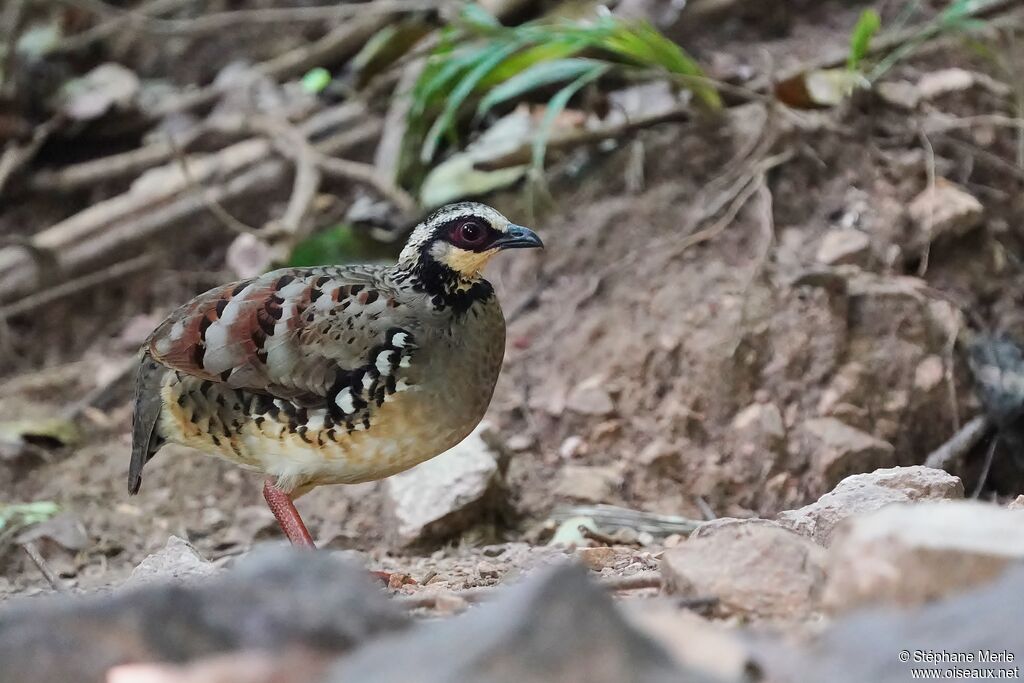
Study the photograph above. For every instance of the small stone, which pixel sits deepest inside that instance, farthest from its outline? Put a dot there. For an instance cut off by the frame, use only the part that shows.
(836, 450)
(1017, 503)
(947, 210)
(909, 554)
(572, 447)
(757, 569)
(443, 496)
(929, 373)
(589, 484)
(901, 94)
(863, 493)
(487, 570)
(590, 398)
(517, 443)
(597, 558)
(177, 561)
(658, 454)
(944, 81)
(844, 246)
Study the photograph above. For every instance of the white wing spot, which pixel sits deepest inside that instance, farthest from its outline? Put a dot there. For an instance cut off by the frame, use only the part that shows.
(384, 362)
(344, 401)
(398, 341)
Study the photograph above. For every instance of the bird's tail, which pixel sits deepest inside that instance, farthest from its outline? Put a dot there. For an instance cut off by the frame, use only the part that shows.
(146, 437)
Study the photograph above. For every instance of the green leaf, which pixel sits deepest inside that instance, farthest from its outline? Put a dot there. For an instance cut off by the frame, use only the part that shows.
(519, 62)
(20, 515)
(443, 72)
(458, 95)
(556, 106)
(536, 76)
(316, 80)
(867, 26)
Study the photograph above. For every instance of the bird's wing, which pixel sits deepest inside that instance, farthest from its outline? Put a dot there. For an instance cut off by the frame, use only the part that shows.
(304, 334)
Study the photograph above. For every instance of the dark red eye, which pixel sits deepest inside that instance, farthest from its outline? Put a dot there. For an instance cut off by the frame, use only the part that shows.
(469, 233)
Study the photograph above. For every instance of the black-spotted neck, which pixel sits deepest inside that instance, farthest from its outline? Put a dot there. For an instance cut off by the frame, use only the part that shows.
(446, 288)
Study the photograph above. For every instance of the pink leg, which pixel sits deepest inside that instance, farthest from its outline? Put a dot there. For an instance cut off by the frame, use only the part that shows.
(287, 516)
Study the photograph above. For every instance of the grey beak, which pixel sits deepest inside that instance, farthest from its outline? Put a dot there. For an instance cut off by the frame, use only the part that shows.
(518, 237)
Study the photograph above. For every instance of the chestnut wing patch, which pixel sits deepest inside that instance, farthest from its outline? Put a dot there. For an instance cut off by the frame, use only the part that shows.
(302, 334)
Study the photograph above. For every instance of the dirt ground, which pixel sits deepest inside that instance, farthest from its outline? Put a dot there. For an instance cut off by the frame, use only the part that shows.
(621, 305)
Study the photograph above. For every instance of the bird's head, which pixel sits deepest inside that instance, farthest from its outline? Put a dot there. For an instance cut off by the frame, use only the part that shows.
(461, 238)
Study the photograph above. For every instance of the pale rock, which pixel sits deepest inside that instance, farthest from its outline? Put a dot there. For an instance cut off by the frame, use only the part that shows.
(590, 398)
(901, 94)
(572, 447)
(755, 568)
(517, 443)
(863, 493)
(910, 554)
(443, 496)
(597, 558)
(945, 81)
(929, 373)
(1017, 503)
(836, 450)
(946, 210)
(177, 561)
(845, 387)
(844, 246)
(589, 484)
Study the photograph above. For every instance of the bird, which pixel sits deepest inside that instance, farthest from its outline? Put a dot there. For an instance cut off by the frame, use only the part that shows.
(337, 374)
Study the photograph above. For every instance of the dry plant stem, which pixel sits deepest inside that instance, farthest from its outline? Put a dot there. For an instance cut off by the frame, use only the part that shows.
(40, 562)
(930, 172)
(114, 166)
(119, 23)
(989, 456)
(16, 156)
(368, 175)
(90, 238)
(340, 43)
(960, 444)
(219, 21)
(524, 153)
(77, 285)
(215, 208)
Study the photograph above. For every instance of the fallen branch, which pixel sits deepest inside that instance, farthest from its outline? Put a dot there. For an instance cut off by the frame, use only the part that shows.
(339, 44)
(165, 196)
(219, 21)
(118, 23)
(524, 154)
(44, 568)
(15, 156)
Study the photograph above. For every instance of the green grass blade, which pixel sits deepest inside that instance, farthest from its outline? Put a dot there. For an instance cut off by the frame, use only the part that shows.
(556, 105)
(867, 26)
(546, 51)
(494, 55)
(536, 76)
(441, 74)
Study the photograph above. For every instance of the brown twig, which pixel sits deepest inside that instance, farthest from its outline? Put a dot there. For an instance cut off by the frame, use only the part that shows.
(112, 26)
(215, 208)
(368, 175)
(44, 568)
(65, 289)
(524, 153)
(219, 21)
(16, 156)
(340, 43)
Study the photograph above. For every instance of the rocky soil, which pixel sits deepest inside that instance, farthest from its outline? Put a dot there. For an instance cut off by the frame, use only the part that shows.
(723, 378)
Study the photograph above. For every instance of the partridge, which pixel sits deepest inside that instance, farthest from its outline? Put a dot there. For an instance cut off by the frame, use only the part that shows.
(335, 374)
